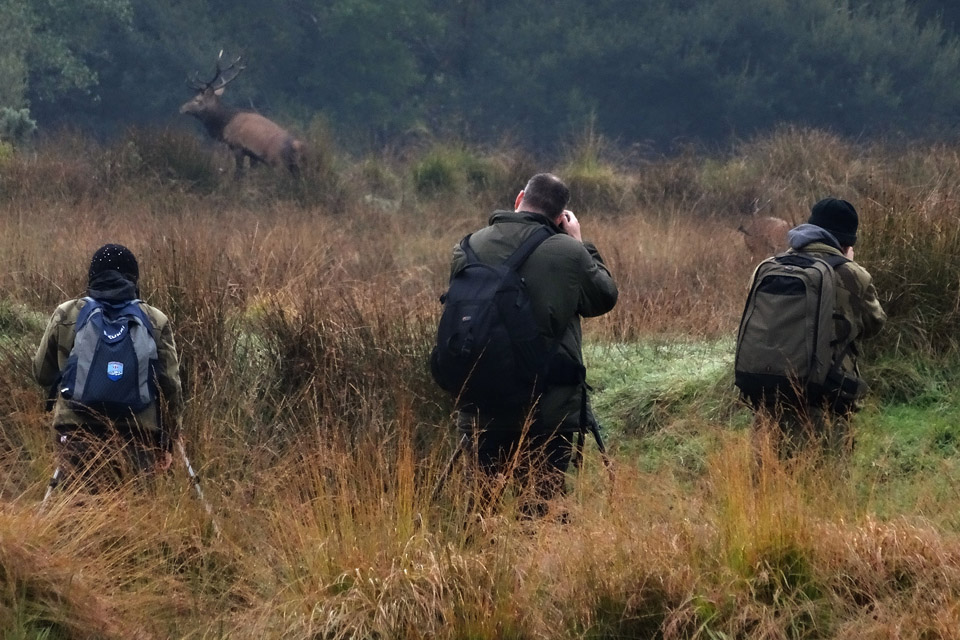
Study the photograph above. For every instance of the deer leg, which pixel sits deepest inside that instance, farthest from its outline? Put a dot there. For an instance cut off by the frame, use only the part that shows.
(238, 156)
(290, 156)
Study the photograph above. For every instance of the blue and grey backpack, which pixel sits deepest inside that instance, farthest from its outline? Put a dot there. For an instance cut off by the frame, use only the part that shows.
(111, 368)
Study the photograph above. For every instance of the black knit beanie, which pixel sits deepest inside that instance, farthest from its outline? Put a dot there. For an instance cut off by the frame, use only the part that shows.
(114, 257)
(838, 217)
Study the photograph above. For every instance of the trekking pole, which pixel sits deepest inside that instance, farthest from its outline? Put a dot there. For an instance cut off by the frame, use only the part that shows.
(449, 468)
(607, 462)
(58, 472)
(54, 481)
(196, 484)
(578, 450)
(589, 421)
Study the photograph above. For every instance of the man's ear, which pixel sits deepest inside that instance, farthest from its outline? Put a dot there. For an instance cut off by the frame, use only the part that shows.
(516, 203)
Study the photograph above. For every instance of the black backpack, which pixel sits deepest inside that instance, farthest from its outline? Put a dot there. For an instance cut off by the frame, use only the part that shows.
(489, 353)
(786, 345)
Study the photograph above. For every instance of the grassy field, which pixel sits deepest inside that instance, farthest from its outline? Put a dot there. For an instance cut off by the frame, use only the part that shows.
(304, 313)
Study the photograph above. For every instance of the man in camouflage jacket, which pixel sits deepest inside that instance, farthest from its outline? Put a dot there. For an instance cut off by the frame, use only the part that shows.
(832, 231)
(144, 439)
(566, 280)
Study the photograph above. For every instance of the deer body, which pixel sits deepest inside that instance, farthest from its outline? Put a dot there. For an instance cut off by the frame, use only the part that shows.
(764, 236)
(247, 134)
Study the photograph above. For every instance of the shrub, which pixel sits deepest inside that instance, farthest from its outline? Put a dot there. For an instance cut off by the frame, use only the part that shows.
(6, 152)
(378, 179)
(16, 126)
(595, 183)
(665, 181)
(439, 173)
(161, 155)
(488, 176)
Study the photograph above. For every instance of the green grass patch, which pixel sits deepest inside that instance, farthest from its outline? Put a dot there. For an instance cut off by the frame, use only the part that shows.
(665, 403)
(643, 387)
(906, 461)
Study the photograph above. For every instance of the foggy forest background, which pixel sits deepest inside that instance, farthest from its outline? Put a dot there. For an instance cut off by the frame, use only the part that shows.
(656, 73)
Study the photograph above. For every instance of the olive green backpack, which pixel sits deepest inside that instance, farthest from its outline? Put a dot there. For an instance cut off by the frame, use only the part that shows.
(786, 347)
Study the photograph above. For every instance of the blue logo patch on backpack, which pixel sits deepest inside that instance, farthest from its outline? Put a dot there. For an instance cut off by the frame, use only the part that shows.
(114, 370)
(111, 368)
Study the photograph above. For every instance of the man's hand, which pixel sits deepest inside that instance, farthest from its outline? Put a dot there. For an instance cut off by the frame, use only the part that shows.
(570, 225)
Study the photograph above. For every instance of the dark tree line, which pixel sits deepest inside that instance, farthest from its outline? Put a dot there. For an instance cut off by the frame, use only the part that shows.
(652, 72)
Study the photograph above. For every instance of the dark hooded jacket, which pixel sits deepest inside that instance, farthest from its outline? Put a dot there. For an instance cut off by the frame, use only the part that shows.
(566, 280)
(858, 313)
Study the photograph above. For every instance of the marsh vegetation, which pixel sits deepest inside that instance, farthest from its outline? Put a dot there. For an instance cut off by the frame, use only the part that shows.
(304, 312)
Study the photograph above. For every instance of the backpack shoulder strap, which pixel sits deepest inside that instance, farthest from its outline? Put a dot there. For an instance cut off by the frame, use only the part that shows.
(130, 308)
(519, 256)
(801, 259)
(523, 252)
(133, 309)
(88, 310)
(468, 250)
(835, 261)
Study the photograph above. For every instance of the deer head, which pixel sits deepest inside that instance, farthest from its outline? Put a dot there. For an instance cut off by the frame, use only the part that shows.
(208, 95)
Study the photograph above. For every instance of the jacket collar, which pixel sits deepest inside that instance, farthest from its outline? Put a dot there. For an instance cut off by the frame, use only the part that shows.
(805, 235)
(819, 247)
(523, 217)
(112, 286)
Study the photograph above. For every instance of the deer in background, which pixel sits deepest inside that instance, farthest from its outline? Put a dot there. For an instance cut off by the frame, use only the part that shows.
(246, 133)
(764, 236)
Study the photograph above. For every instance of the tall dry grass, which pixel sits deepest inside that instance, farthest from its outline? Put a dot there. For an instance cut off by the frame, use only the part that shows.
(304, 314)
(342, 543)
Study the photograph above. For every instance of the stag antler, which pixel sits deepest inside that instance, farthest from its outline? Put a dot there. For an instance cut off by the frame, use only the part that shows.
(227, 75)
(221, 77)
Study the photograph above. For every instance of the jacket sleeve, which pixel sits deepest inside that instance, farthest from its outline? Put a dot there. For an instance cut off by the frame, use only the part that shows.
(866, 308)
(598, 291)
(46, 362)
(873, 314)
(168, 377)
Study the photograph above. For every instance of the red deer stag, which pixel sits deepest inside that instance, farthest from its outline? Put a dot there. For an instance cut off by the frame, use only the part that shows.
(765, 236)
(246, 133)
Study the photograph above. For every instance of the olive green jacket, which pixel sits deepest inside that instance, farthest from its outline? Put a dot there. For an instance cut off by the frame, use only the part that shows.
(858, 313)
(55, 347)
(566, 280)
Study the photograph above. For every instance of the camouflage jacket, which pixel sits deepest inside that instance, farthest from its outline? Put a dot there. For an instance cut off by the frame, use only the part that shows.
(566, 280)
(858, 313)
(55, 347)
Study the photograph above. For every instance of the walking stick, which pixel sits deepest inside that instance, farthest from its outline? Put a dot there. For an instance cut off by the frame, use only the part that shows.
(449, 468)
(196, 484)
(589, 421)
(607, 462)
(54, 481)
(58, 472)
(578, 450)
